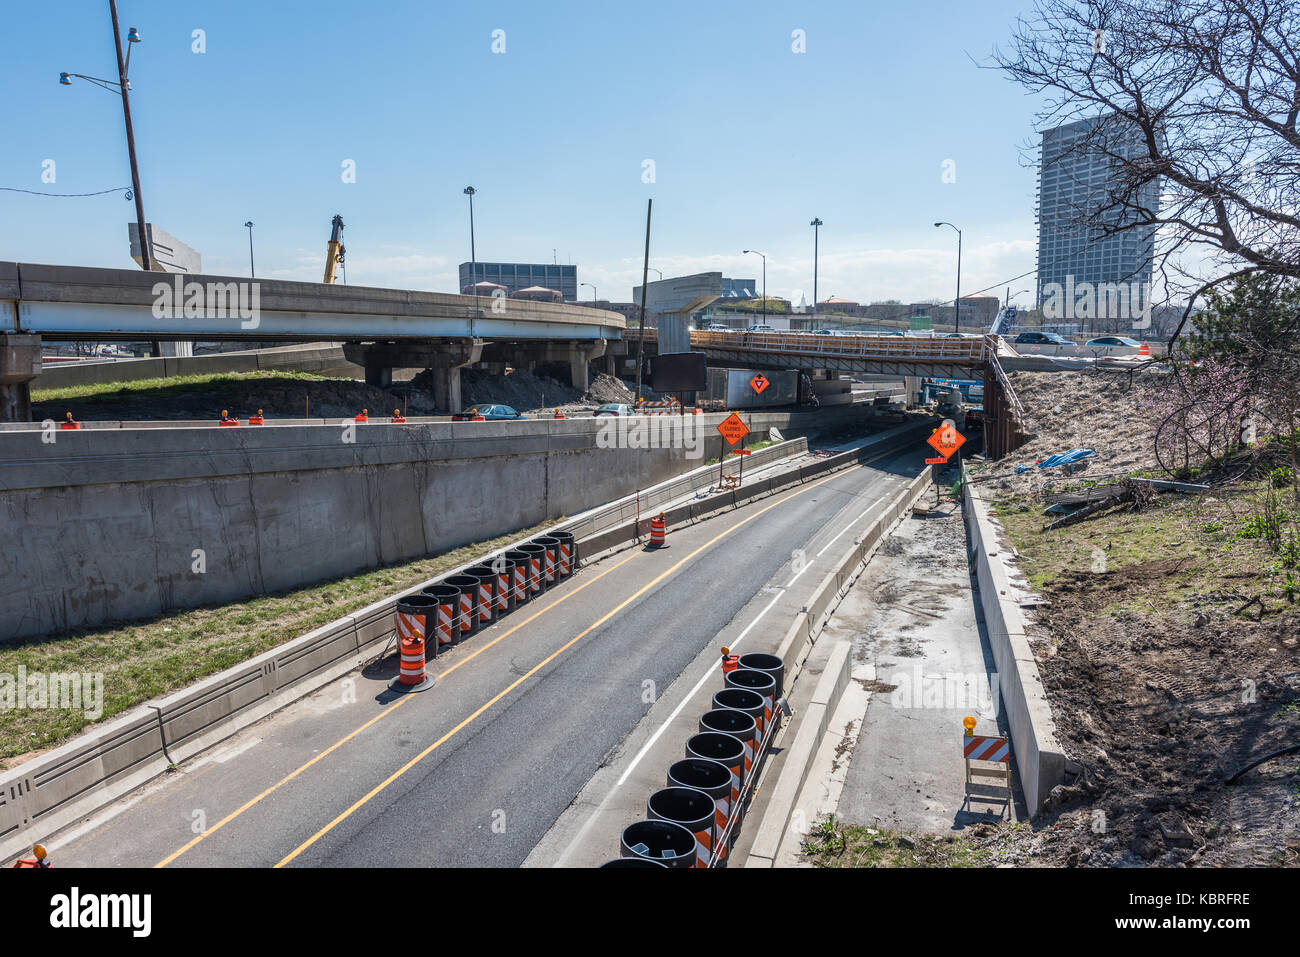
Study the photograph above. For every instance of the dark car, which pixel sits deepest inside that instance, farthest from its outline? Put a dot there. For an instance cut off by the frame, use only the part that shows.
(490, 413)
(1042, 339)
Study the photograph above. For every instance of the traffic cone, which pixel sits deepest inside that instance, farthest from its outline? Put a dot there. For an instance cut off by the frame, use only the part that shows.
(363, 417)
(71, 423)
(256, 419)
(398, 417)
(226, 420)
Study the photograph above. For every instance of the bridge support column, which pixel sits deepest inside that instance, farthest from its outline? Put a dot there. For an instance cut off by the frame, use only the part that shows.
(580, 357)
(445, 367)
(20, 362)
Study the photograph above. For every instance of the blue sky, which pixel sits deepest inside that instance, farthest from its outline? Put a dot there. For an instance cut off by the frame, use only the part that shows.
(749, 139)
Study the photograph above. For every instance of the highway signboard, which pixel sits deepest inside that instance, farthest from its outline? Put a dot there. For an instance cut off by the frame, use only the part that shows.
(733, 429)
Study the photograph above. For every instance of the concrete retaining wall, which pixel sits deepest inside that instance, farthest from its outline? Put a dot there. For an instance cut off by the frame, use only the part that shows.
(112, 522)
(1038, 753)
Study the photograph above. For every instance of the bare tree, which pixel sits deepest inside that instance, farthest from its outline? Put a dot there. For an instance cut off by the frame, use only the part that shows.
(1196, 100)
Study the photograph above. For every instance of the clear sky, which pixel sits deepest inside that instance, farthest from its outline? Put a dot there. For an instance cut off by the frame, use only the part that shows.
(749, 139)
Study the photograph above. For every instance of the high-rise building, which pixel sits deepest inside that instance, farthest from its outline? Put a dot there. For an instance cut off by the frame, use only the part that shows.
(517, 276)
(1075, 178)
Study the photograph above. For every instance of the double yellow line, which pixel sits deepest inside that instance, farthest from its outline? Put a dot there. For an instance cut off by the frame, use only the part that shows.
(495, 698)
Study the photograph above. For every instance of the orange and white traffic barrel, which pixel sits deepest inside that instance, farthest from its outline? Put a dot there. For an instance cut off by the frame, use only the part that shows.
(551, 560)
(487, 587)
(713, 778)
(505, 599)
(693, 810)
(536, 556)
(724, 749)
(1144, 349)
(467, 610)
(413, 614)
(447, 627)
(768, 664)
(518, 563)
(658, 528)
(568, 557)
(739, 713)
(730, 662)
(765, 685)
(664, 841)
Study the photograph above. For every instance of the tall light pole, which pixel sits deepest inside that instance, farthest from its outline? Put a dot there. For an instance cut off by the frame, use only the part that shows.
(816, 224)
(1010, 294)
(473, 258)
(660, 272)
(757, 253)
(124, 87)
(251, 271)
(956, 303)
(593, 292)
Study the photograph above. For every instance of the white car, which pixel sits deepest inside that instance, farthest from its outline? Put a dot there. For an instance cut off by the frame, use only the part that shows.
(760, 327)
(615, 409)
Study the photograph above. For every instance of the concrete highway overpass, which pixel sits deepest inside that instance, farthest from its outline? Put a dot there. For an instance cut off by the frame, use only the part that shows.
(382, 329)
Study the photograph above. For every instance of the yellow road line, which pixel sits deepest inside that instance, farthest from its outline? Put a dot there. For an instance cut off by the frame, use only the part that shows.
(387, 711)
(543, 663)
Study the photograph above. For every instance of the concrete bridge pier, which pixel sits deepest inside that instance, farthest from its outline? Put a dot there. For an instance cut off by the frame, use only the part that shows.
(577, 353)
(443, 359)
(20, 363)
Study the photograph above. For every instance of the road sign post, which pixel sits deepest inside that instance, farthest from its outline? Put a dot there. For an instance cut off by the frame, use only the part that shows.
(945, 440)
(734, 430)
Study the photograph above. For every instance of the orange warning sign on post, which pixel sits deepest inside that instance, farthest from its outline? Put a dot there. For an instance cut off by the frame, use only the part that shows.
(733, 429)
(946, 439)
(759, 383)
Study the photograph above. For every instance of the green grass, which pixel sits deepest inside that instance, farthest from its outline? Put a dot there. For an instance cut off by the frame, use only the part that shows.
(175, 385)
(1205, 533)
(145, 659)
(833, 844)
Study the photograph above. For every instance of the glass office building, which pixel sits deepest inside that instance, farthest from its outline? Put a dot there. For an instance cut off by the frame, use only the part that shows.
(1073, 180)
(516, 276)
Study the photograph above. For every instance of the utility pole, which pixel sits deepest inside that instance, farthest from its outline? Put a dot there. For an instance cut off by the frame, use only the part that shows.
(645, 280)
(146, 248)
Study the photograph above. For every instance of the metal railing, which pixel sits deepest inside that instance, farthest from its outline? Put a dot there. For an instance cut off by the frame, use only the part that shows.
(863, 346)
(1005, 383)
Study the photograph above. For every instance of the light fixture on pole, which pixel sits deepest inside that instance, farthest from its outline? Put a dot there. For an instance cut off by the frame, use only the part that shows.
(593, 292)
(956, 303)
(660, 272)
(757, 253)
(123, 86)
(1010, 294)
(816, 224)
(473, 257)
(251, 272)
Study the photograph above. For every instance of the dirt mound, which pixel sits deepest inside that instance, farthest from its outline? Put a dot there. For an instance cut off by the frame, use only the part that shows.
(525, 391)
(1106, 411)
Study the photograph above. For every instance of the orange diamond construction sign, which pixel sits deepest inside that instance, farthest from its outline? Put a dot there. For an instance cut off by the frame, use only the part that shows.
(946, 439)
(733, 429)
(759, 383)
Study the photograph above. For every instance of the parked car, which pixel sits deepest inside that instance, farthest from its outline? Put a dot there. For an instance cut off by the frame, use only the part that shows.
(760, 327)
(717, 327)
(1113, 341)
(491, 413)
(1042, 339)
(821, 332)
(615, 408)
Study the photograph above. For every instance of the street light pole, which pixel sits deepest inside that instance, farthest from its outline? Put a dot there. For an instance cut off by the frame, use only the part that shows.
(757, 253)
(146, 249)
(956, 303)
(660, 272)
(473, 256)
(251, 272)
(816, 224)
(593, 292)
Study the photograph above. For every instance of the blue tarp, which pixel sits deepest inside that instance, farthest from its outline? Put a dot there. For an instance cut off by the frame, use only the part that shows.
(1060, 458)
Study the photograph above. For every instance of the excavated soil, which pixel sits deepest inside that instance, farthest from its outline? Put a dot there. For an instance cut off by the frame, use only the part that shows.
(1106, 411)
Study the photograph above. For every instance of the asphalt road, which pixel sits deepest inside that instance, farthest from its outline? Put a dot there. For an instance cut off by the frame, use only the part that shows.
(476, 770)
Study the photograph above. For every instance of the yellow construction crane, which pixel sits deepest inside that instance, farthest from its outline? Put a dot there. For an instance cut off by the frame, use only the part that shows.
(334, 258)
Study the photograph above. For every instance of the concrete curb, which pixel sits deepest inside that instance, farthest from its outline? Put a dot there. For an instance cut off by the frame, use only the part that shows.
(1039, 756)
(812, 726)
(807, 627)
